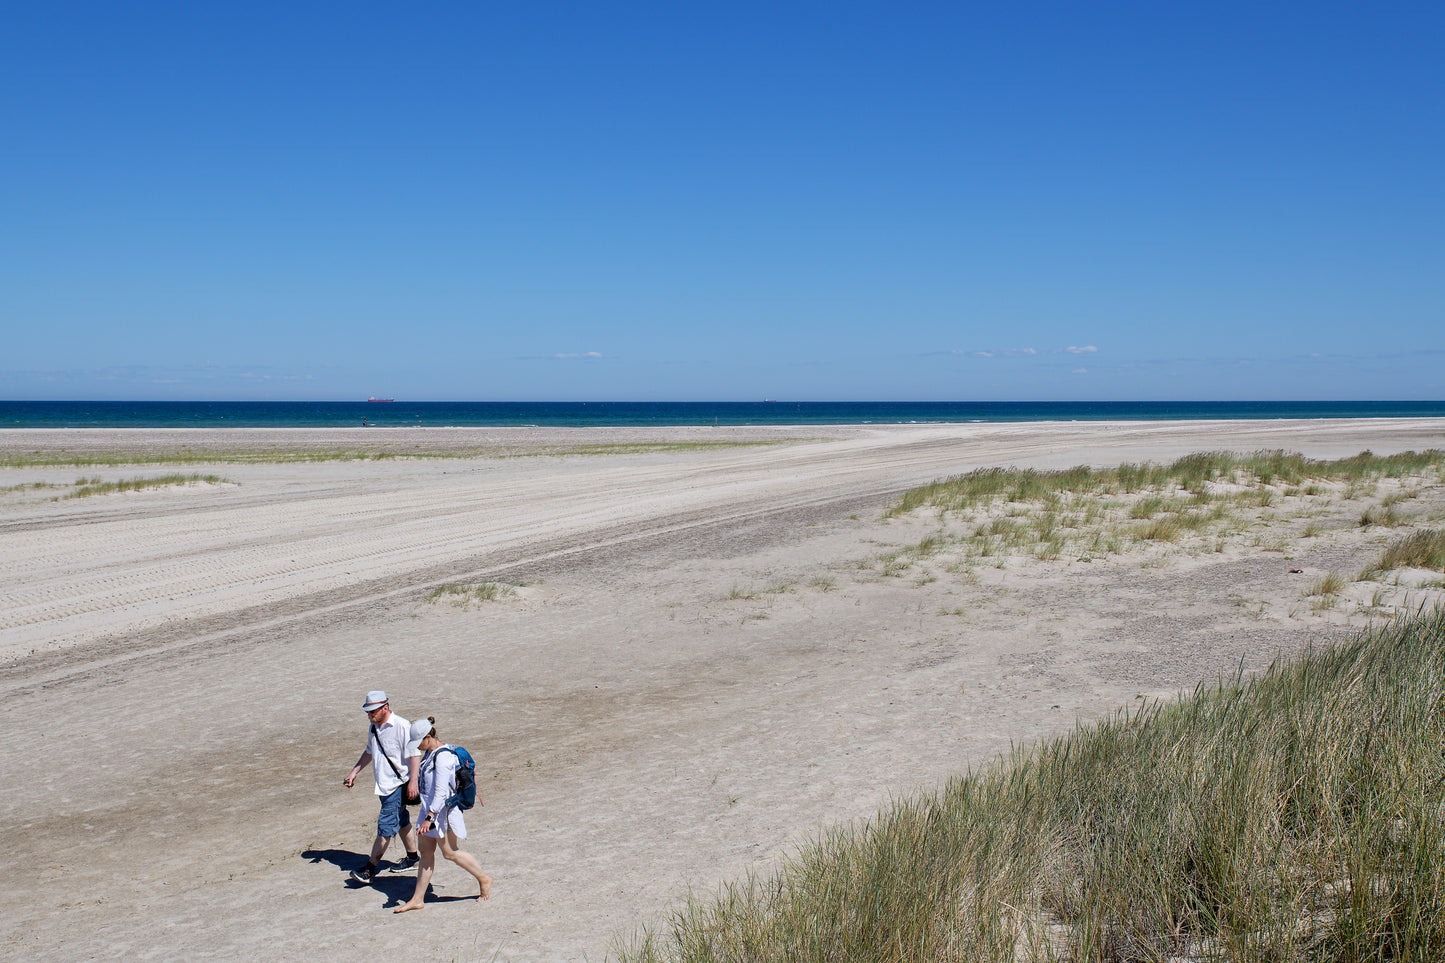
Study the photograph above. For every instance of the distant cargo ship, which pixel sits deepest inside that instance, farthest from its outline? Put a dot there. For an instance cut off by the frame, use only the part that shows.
(380, 399)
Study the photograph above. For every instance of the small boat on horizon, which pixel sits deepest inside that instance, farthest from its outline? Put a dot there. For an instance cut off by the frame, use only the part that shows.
(380, 399)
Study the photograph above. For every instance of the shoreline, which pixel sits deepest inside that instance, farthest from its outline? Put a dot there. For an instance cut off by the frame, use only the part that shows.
(479, 438)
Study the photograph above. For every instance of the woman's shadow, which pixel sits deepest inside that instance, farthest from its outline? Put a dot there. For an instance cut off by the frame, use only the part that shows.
(396, 887)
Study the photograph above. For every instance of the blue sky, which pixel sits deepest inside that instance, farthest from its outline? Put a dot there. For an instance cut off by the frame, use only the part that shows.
(840, 201)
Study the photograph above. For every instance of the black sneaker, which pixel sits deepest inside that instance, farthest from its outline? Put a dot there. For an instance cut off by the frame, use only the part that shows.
(364, 873)
(409, 863)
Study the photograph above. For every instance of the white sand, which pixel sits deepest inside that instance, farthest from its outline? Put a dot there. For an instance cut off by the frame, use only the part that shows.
(184, 667)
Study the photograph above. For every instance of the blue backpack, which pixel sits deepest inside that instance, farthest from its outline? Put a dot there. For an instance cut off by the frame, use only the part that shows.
(465, 796)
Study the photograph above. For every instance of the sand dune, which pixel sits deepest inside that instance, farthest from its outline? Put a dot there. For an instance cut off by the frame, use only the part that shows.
(695, 672)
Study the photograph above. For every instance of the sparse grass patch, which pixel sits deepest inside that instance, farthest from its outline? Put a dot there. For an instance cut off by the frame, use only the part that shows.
(29, 486)
(94, 486)
(1381, 514)
(1192, 521)
(1147, 507)
(929, 546)
(1161, 530)
(1330, 584)
(894, 565)
(1270, 544)
(1422, 549)
(465, 592)
(1049, 549)
(1003, 527)
(823, 583)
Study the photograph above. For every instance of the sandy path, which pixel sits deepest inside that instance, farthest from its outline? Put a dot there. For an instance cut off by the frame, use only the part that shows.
(198, 654)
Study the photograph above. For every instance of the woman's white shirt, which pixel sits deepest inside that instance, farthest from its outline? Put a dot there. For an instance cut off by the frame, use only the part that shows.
(438, 782)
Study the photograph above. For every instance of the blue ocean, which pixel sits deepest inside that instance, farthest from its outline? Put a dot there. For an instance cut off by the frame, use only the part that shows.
(321, 414)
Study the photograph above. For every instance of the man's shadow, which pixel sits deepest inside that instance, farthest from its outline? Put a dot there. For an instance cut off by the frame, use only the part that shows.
(396, 887)
(340, 858)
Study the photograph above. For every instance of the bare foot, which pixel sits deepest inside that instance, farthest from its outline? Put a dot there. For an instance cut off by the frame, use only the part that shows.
(486, 888)
(408, 906)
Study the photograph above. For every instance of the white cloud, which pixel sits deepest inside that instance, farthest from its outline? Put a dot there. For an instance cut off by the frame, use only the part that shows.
(1005, 353)
(576, 355)
(1086, 349)
(1081, 371)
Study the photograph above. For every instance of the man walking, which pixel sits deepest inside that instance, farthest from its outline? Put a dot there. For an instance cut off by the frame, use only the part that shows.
(394, 763)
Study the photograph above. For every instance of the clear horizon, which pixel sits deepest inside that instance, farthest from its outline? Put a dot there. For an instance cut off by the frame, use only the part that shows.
(1291, 399)
(934, 203)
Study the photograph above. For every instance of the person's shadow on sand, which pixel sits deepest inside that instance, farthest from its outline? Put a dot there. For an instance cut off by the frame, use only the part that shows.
(396, 887)
(343, 859)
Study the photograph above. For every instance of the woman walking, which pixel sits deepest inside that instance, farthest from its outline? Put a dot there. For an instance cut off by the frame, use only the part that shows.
(438, 823)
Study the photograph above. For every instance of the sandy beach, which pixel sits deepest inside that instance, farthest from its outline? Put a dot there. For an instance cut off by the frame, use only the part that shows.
(695, 665)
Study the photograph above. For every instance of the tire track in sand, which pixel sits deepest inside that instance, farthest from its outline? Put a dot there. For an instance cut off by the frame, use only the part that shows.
(155, 575)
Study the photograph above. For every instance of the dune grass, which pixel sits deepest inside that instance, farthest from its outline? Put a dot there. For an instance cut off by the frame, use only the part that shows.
(1298, 815)
(464, 592)
(1422, 549)
(1086, 512)
(86, 487)
(1382, 514)
(1192, 473)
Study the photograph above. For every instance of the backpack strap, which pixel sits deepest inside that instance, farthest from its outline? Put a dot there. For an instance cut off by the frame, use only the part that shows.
(447, 803)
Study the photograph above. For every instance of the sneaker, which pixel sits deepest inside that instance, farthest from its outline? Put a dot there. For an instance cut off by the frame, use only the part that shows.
(407, 864)
(363, 874)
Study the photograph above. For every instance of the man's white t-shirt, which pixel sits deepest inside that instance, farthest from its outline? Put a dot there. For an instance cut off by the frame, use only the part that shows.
(393, 735)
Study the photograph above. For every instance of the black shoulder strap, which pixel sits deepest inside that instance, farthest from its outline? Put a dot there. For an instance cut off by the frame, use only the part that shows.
(377, 736)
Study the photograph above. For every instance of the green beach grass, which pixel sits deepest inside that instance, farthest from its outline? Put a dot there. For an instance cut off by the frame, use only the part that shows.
(280, 455)
(1084, 512)
(1295, 816)
(86, 487)
(1422, 549)
(1193, 474)
(465, 592)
